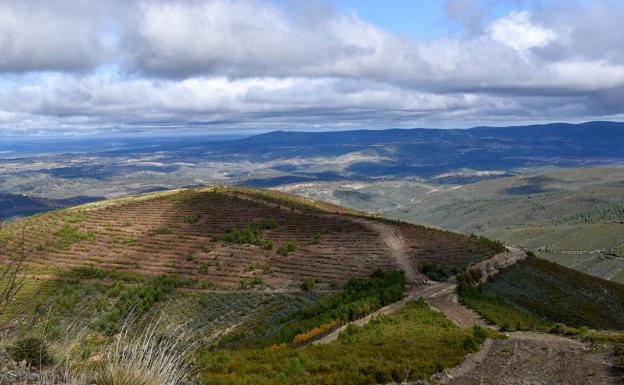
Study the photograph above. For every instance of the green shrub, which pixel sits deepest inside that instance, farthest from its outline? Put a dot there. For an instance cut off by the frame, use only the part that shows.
(162, 231)
(250, 234)
(70, 235)
(470, 345)
(287, 248)
(404, 347)
(250, 283)
(309, 283)
(360, 297)
(74, 218)
(435, 272)
(496, 246)
(33, 350)
(192, 219)
(134, 301)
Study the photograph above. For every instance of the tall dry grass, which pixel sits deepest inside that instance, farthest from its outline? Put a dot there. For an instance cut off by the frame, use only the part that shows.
(155, 356)
(151, 352)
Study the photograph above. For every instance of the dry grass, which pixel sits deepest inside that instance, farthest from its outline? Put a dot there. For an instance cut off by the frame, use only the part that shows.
(155, 356)
(145, 353)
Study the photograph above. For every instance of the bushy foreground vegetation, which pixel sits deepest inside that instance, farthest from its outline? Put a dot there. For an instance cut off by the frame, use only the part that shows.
(111, 349)
(360, 297)
(411, 344)
(103, 299)
(535, 294)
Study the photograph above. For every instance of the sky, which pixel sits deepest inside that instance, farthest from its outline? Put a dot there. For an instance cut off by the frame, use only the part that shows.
(79, 67)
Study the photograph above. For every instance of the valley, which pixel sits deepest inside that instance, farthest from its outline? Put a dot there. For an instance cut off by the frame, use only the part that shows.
(354, 267)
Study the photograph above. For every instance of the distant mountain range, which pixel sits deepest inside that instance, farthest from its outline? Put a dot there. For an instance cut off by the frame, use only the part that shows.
(96, 168)
(425, 152)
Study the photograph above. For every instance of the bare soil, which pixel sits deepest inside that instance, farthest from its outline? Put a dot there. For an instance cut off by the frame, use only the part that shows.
(535, 359)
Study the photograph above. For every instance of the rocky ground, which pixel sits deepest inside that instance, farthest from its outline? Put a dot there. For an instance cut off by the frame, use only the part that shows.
(535, 359)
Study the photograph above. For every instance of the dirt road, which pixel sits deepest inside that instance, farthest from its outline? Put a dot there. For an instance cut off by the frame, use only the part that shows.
(440, 295)
(398, 249)
(391, 236)
(533, 359)
(432, 290)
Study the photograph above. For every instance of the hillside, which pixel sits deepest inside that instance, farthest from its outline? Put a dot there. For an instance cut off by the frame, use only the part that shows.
(230, 269)
(232, 239)
(240, 284)
(573, 216)
(220, 234)
(536, 294)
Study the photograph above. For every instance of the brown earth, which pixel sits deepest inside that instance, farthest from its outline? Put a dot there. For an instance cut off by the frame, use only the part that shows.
(535, 359)
(178, 233)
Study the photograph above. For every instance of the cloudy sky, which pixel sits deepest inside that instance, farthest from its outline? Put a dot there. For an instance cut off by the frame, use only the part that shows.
(80, 66)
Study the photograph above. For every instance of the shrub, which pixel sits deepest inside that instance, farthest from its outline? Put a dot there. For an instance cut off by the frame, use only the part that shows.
(162, 231)
(496, 246)
(349, 335)
(309, 283)
(435, 272)
(470, 344)
(33, 350)
(74, 218)
(361, 296)
(249, 234)
(251, 283)
(134, 301)
(270, 224)
(192, 219)
(407, 346)
(70, 235)
(479, 333)
(315, 332)
(287, 248)
(471, 277)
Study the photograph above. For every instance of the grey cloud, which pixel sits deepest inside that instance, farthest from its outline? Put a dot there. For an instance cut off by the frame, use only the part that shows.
(52, 36)
(236, 64)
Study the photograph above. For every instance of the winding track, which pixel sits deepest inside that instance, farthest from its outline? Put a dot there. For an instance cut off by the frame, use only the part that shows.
(391, 236)
(523, 358)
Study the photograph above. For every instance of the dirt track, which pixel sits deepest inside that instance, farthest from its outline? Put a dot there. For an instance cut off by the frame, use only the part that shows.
(533, 359)
(522, 359)
(390, 236)
(398, 249)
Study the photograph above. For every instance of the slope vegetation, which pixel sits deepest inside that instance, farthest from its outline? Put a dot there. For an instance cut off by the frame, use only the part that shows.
(536, 294)
(229, 239)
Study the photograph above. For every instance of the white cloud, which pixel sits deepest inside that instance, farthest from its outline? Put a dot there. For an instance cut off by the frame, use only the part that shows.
(517, 31)
(51, 36)
(242, 63)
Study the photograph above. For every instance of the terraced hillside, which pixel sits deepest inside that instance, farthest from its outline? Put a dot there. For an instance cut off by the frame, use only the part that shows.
(233, 238)
(574, 217)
